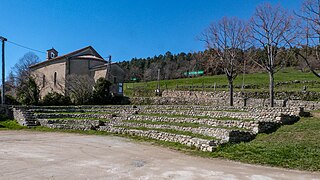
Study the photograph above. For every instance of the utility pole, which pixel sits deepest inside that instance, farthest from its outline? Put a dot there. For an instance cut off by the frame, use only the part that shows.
(109, 69)
(158, 88)
(3, 72)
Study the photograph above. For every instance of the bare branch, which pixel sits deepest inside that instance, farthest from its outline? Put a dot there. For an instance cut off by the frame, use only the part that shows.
(228, 39)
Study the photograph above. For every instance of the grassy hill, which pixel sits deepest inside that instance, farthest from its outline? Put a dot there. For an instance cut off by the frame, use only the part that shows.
(295, 79)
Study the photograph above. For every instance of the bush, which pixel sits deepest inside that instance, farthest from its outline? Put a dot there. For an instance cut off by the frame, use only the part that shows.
(28, 92)
(10, 100)
(101, 92)
(55, 99)
(120, 100)
(3, 117)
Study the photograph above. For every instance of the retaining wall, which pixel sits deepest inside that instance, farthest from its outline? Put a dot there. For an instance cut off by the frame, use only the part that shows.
(202, 144)
(71, 124)
(219, 98)
(263, 119)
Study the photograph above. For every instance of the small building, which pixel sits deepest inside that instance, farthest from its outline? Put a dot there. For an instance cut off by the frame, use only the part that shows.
(51, 75)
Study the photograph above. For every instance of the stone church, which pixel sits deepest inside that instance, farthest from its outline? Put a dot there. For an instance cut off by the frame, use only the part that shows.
(52, 73)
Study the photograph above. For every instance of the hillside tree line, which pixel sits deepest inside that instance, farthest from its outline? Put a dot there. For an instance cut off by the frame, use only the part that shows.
(271, 39)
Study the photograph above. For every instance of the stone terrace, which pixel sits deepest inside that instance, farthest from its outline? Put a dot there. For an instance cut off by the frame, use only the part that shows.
(203, 127)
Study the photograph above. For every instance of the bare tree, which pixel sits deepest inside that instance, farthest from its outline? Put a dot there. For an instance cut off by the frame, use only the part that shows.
(22, 67)
(26, 90)
(10, 84)
(309, 39)
(151, 73)
(227, 39)
(80, 88)
(271, 30)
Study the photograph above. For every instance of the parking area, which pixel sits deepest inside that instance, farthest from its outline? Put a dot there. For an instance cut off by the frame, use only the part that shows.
(42, 155)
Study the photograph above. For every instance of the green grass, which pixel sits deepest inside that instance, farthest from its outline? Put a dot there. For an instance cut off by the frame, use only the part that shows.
(186, 109)
(182, 124)
(173, 131)
(80, 119)
(10, 125)
(76, 112)
(229, 110)
(199, 117)
(261, 80)
(292, 146)
(232, 119)
(174, 115)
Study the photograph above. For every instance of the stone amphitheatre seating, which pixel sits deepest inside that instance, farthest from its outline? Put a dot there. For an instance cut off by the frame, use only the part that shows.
(204, 127)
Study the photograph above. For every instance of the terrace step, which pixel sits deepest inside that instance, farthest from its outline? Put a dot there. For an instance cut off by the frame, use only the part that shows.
(200, 114)
(202, 144)
(204, 127)
(82, 110)
(83, 107)
(31, 123)
(70, 127)
(71, 124)
(72, 115)
(249, 125)
(283, 110)
(225, 135)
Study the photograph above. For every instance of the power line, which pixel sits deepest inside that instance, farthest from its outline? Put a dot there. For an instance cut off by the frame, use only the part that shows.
(26, 47)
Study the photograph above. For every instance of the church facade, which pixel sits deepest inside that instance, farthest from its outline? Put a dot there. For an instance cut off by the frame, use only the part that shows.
(51, 75)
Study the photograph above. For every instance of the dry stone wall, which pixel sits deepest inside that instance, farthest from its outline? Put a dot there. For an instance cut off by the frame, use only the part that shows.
(167, 123)
(219, 98)
(71, 124)
(222, 134)
(202, 144)
(24, 117)
(250, 125)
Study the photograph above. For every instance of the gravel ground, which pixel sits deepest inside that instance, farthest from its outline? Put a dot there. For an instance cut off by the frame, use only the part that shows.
(38, 155)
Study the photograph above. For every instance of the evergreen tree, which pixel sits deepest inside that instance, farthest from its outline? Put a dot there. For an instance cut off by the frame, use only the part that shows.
(101, 92)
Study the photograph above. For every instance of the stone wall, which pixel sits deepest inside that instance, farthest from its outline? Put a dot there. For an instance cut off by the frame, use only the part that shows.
(250, 125)
(24, 117)
(71, 124)
(222, 134)
(253, 126)
(219, 98)
(203, 145)
(135, 120)
(248, 113)
(19, 116)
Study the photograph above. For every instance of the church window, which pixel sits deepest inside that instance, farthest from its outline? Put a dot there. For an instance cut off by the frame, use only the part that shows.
(43, 80)
(55, 78)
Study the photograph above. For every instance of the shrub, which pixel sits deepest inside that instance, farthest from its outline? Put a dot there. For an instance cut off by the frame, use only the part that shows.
(55, 99)
(28, 92)
(120, 100)
(10, 100)
(101, 92)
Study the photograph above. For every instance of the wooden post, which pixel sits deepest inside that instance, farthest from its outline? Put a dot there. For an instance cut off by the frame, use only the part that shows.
(202, 87)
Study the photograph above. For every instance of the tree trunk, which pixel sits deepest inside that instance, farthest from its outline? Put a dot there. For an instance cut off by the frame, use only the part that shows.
(271, 88)
(231, 91)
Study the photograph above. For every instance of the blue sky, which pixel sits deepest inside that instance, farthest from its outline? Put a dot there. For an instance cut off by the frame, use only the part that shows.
(122, 28)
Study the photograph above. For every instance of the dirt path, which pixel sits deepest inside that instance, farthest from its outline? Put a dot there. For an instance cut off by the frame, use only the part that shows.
(36, 155)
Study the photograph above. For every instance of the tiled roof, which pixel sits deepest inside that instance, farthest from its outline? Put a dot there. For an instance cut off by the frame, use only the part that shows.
(98, 57)
(89, 57)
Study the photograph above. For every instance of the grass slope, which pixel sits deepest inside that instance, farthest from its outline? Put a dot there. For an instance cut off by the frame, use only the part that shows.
(261, 80)
(292, 146)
